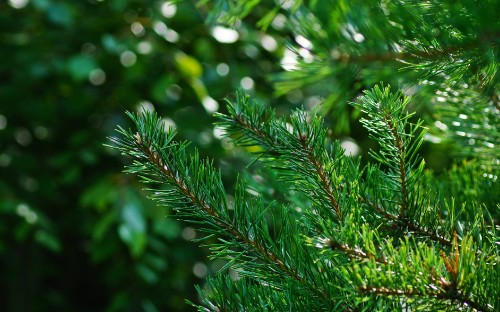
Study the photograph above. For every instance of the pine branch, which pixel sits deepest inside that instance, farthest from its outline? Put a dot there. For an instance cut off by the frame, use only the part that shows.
(387, 123)
(254, 129)
(413, 271)
(299, 149)
(201, 196)
(251, 124)
(389, 236)
(408, 224)
(353, 253)
(225, 294)
(442, 42)
(468, 119)
(323, 176)
(408, 56)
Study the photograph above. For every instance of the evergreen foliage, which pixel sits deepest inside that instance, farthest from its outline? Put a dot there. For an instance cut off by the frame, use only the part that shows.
(339, 48)
(390, 235)
(76, 234)
(363, 238)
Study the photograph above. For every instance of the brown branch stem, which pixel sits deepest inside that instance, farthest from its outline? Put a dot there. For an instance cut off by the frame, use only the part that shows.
(325, 179)
(408, 224)
(445, 295)
(318, 166)
(353, 253)
(405, 56)
(402, 171)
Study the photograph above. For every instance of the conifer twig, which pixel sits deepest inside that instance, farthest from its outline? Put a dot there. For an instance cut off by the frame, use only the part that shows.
(275, 148)
(408, 223)
(325, 179)
(438, 286)
(166, 168)
(152, 156)
(401, 161)
(410, 55)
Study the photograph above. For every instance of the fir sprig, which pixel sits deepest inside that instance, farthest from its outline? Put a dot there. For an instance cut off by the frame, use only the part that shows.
(361, 238)
(355, 44)
(298, 147)
(399, 140)
(195, 190)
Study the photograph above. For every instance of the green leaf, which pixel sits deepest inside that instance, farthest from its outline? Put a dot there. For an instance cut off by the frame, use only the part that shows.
(48, 240)
(188, 66)
(133, 229)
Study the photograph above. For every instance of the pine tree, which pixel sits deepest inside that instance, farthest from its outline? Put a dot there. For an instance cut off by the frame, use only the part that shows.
(390, 235)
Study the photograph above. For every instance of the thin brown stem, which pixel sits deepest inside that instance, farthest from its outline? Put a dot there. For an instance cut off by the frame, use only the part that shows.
(410, 225)
(323, 176)
(318, 166)
(444, 295)
(353, 253)
(402, 172)
(405, 56)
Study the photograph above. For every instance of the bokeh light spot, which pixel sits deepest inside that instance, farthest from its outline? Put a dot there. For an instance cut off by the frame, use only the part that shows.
(128, 58)
(210, 105)
(171, 36)
(304, 42)
(251, 51)
(289, 60)
(27, 213)
(200, 270)
(247, 83)
(306, 55)
(137, 29)
(279, 21)
(312, 102)
(225, 35)
(205, 138)
(29, 184)
(41, 132)
(18, 4)
(169, 123)
(358, 37)
(268, 43)
(23, 136)
(89, 49)
(144, 47)
(97, 77)
(145, 106)
(188, 233)
(168, 9)
(350, 147)
(219, 132)
(4, 160)
(160, 28)
(174, 92)
(222, 69)
(286, 4)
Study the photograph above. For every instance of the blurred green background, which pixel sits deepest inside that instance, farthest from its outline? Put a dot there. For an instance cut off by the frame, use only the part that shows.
(75, 233)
